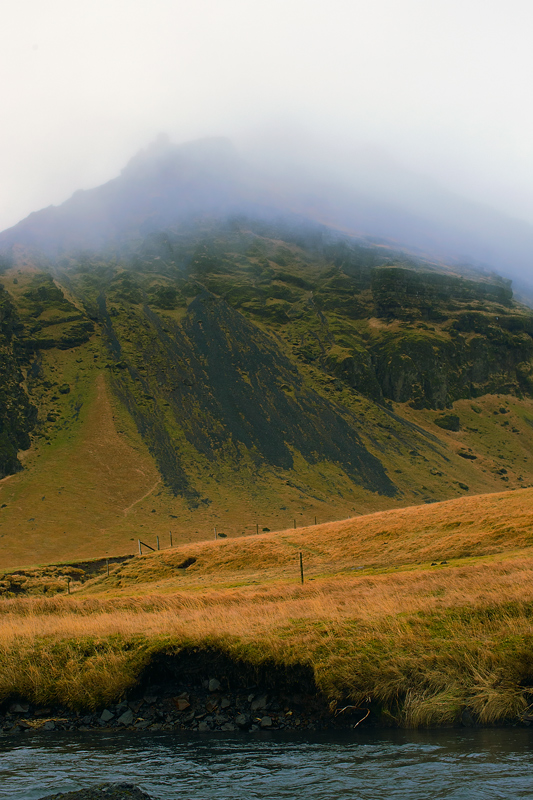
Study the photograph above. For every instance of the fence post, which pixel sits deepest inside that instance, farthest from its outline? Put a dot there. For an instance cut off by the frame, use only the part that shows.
(157, 537)
(301, 568)
(107, 566)
(216, 537)
(294, 523)
(315, 520)
(170, 534)
(257, 527)
(140, 548)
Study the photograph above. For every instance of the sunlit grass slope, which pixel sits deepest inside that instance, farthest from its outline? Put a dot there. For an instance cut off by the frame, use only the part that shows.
(380, 619)
(77, 496)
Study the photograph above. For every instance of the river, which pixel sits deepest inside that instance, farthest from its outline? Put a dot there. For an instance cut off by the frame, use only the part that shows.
(458, 764)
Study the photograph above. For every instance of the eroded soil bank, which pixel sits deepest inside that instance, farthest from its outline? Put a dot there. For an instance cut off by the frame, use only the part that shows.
(200, 690)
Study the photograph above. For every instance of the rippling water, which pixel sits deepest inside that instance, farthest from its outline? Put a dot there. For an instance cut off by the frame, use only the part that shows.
(462, 764)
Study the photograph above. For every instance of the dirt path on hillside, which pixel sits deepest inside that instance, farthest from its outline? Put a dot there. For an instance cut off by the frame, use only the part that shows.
(148, 493)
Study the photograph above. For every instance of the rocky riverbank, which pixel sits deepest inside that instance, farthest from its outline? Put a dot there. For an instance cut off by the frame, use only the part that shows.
(202, 708)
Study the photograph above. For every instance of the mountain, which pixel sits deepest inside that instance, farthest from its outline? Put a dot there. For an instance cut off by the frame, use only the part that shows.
(187, 350)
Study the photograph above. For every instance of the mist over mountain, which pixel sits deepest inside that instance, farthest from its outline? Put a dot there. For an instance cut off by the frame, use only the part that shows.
(168, 186)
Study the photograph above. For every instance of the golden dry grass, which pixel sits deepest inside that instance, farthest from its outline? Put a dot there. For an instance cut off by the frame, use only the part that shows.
(422, 642)
(471, 527)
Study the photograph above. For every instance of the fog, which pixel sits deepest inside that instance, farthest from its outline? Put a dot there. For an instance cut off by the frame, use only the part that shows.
(422, 107)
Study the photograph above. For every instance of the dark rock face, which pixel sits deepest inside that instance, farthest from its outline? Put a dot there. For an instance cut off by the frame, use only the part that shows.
(17, 415)
(434, 371)
(400, 292)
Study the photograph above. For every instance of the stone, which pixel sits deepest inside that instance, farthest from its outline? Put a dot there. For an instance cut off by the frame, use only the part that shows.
(106, 715)
(467, 719)
(214, 685)
(181, 703)
(225, 703)
(211, 706)
(243, 722)
(204, 726)
(126, 718)
(114, 791)
(228, 726)
(259, 704)
(49, 725)
(19, 708)
(142, 724)
(266, 722)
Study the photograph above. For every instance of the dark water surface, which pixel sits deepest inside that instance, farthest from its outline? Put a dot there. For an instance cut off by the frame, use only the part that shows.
(458, 764)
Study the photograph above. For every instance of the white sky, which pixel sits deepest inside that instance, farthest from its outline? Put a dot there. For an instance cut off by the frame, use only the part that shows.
(443, 86)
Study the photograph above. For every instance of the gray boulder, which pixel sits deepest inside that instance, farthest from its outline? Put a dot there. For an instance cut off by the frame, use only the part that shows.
(109, 791)
(126, 718)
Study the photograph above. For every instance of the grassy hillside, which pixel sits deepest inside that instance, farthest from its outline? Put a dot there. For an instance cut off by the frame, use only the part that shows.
(243, 378)
(421, 614)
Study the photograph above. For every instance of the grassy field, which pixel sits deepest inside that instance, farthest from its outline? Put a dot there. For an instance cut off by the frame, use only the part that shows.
(422, 612)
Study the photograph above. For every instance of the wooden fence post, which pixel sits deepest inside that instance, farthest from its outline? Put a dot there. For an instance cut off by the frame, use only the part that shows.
(301, 568)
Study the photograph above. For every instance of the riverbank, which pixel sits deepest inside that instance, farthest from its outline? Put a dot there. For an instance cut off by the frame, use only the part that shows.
(375, 627)
(202, 708)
